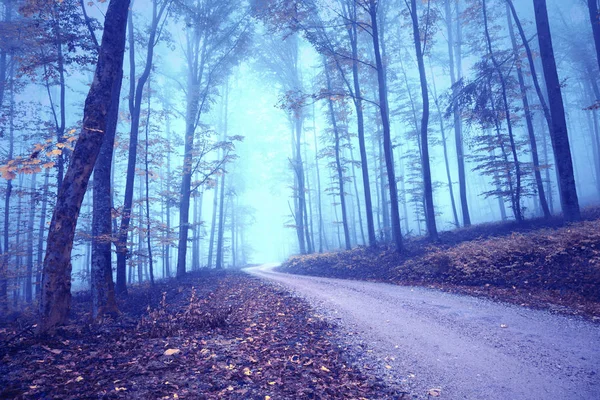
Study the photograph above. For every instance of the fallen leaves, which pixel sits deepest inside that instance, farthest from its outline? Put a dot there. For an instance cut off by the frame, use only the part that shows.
(171, 352)
(233, 337)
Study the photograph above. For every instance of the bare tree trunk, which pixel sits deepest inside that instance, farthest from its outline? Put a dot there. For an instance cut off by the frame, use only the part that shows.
(338, 164)
(319, 202)
(135, 106)
(387, 139)
(356, 195)
(30, 225)
(55, 297)
(213, 226)
(559, 133)
(445, 147)
(4, 258)
(147, 174)
(455, 75)
(196, 262)
(595, 20)
(358, 105)
(517, 196)
(427, 183)
(529, 120)
(41, 235)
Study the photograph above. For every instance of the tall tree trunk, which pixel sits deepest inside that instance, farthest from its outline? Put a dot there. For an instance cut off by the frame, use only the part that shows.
(517, 196)
(559, 133)
(102, 284)
(455, 75)
(147, 174)
(319, 202)
(595, 20)
(221, 228)
(356, 194)
(445, 147)
(387, 139)
(338, 164)
(41, 235)
(309, 214)
(168, 206)
(299, 171)
(529, 120)
(30, 225)
(233, 234)
(213, 225)
(135, 106)
(196, 262)
(427, 182)
(4, 258)
(55, 296)
(358, 106)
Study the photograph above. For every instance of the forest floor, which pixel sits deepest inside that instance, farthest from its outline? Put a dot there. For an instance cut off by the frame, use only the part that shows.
(214, 336)
(538, 264)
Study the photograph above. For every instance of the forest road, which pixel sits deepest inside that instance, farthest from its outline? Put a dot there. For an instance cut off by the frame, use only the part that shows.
(468, 348)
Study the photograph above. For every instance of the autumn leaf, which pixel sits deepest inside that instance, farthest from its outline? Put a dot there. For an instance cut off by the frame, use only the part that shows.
(55, 152)
(171, 352)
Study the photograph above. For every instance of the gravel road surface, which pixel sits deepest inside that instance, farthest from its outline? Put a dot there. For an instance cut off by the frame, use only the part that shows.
(448, 346)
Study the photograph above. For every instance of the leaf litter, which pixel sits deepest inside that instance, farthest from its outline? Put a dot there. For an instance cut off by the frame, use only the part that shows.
(214, 336)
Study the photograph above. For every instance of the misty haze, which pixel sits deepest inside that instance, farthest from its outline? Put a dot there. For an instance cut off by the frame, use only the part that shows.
(300, 199)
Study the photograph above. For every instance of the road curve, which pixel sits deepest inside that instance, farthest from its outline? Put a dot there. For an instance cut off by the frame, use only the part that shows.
(466, 347)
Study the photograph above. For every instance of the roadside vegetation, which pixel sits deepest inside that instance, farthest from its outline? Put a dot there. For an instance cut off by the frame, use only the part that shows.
(542, 264)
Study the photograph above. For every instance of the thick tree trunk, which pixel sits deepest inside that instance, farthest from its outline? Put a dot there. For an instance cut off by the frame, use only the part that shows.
(387, 139)
(55, 297)
(559, 133)
(102, 284)
(595, 21)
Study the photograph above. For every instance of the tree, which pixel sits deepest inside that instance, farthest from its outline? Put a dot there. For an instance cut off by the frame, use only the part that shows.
(55, 296)
(558, 134)
(455, 60)
(595, 21)
(216, 38)
(529, 120)
(371, 7)
(420, 51)
(136, 91)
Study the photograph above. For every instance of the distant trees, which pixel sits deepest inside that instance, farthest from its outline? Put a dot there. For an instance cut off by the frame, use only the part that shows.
(136, 91)
(216, 38)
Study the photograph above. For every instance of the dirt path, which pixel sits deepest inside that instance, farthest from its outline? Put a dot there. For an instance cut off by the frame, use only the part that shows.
(468, 348)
